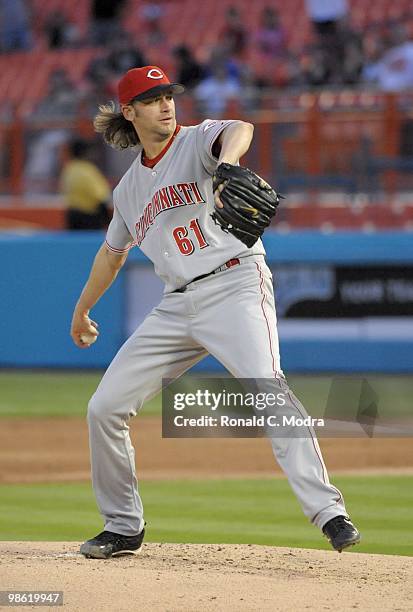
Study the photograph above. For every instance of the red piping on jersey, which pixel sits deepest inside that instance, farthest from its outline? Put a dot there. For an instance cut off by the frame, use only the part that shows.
(150, 163)
(115, 250)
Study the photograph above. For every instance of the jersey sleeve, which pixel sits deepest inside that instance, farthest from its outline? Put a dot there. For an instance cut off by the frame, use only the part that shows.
(118, 238)
(207, 133)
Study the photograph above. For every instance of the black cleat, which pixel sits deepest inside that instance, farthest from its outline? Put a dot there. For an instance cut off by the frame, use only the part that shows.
(341, 533)
(108, 544)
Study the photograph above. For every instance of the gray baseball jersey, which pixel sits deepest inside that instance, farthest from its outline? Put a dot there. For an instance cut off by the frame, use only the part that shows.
(166, 210)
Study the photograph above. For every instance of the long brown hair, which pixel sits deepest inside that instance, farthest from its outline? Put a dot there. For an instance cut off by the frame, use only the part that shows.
(117, 131)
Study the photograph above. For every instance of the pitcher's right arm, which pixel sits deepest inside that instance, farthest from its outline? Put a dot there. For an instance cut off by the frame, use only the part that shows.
(104, 270)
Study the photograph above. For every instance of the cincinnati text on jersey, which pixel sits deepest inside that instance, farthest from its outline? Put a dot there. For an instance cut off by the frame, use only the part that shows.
(172, 196)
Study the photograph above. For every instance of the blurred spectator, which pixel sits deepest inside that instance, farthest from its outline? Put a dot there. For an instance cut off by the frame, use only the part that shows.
(61, 97)
(98, 70)
(249, 98)
(394, 71)
(269, 56)
(337, 57)
(215, 91)
(338, 65)
(151, 11)
(233, 36)
(123, 55)
(315, 67)
(97, 90)
(352, 59)
(152, 14)
(60, 102)
(85, 189)
(103, 71)
(60, 32)
(374, 45)
(325, 15)
(106, 19)
(220, 57)
(270, 37)
(15, 27)
(188, 71)
(155, 36)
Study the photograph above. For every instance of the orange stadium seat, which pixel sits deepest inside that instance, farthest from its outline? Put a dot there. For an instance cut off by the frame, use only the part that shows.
(77, 13)
(34, 69)
(197, 24)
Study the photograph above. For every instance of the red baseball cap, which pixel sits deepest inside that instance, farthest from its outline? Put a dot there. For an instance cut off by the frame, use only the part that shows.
(145, 82)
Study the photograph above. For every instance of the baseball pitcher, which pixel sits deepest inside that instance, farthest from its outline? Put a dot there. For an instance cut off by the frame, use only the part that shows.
(198, 216)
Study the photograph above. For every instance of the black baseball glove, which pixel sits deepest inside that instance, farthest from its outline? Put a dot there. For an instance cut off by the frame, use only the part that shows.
(249, 203)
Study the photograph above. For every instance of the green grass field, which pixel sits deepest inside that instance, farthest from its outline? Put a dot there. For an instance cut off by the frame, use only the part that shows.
(40, 394)
(51, 394)
(230, 511)
(215, 511)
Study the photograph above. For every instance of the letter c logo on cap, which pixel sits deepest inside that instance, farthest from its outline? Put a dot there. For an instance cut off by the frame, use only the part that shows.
(153, 73)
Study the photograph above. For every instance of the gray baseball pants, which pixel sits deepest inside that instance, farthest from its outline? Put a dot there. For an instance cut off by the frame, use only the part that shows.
(230, 315)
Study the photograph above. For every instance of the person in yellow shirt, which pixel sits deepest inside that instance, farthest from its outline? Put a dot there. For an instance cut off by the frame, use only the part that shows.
(86, 191)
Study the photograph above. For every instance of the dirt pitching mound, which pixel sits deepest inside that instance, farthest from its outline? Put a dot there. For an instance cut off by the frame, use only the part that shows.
(210, 577)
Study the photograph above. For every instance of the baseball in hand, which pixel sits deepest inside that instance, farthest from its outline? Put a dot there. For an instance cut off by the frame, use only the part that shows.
(88, 338)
